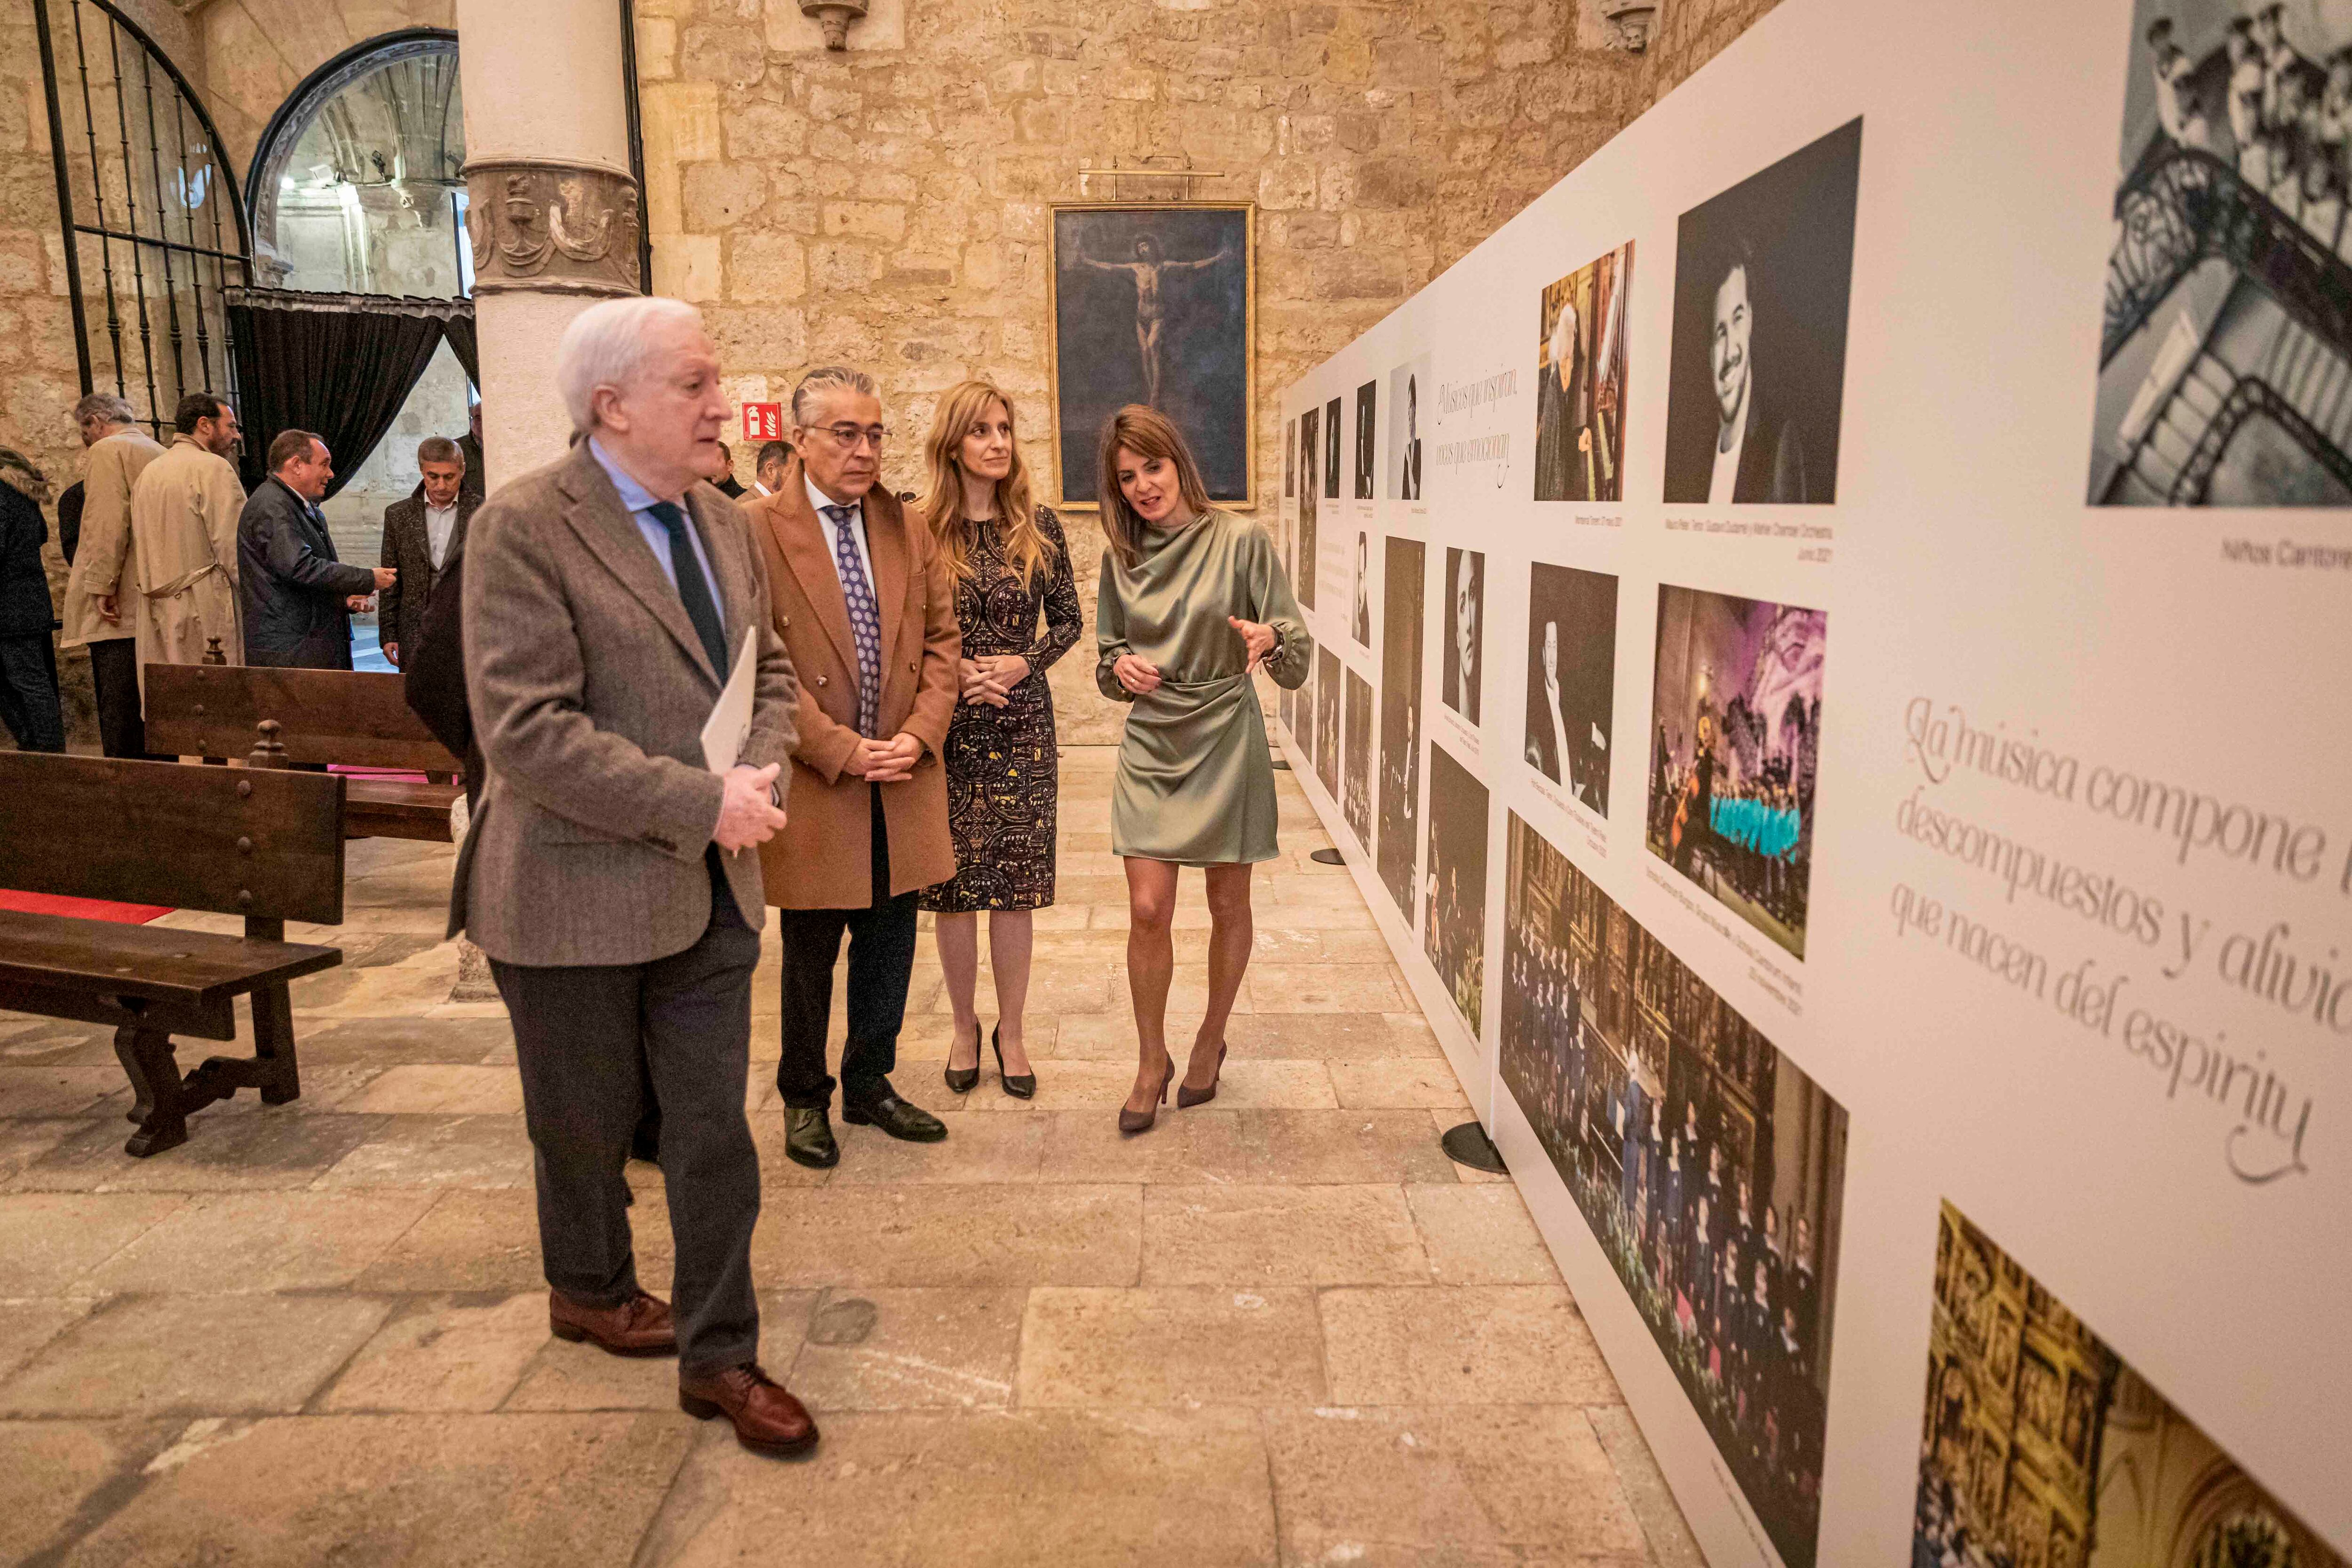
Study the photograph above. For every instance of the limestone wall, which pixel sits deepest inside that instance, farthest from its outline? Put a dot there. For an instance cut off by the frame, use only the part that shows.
(889, 206)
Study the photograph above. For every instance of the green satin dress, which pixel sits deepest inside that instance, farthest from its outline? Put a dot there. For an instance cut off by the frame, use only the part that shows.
(1195, 782)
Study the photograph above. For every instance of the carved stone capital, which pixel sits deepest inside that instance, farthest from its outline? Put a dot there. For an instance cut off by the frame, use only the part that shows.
(551, 228)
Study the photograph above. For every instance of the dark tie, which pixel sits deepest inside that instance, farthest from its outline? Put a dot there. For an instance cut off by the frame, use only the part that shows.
(864, 618)
(693, 588)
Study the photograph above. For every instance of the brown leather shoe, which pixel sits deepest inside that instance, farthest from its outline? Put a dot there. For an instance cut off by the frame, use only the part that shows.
(641, 1327)
(767, 1419)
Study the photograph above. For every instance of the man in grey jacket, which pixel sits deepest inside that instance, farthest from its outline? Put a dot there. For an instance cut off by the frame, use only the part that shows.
(605, 600)
(299, 596)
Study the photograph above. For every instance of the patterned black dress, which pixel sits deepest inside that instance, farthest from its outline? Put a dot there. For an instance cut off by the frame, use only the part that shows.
(1002, 773)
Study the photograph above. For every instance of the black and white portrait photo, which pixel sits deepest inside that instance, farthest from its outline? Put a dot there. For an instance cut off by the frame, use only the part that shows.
(1362, 624)
(1406, 384)
(1310, 451)
(1331, 450)
(1580, 383)
(1466, 624)
(2225, 344)
(1454, 912)
(1356, 766)
(1327, 720)
(1367, 437)
(1290, 459)
(1761, 278)
(1151, 305)
(1402, 576)
(1571, 679)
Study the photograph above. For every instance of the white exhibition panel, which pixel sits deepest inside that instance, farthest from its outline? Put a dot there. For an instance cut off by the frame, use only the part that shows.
(2164, 1160)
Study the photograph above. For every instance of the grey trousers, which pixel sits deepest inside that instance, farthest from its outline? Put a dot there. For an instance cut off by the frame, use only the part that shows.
(587, 1038)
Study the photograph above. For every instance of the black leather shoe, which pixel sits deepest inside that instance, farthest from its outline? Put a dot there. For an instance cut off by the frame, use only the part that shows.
(895, 1117)
(1020, 1085)
(808, 1139)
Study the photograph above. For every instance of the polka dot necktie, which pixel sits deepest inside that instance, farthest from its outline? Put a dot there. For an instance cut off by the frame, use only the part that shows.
(865, 618)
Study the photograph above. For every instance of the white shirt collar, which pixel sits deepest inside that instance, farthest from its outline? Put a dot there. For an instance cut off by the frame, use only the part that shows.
(819, 500)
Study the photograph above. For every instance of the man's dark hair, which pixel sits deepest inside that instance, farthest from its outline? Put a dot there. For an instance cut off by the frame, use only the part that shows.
(780, 451)
(194, 409)
(289, 446)
(440, 449)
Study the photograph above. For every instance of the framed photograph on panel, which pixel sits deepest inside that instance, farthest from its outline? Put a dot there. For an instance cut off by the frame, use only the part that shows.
(1154, 304)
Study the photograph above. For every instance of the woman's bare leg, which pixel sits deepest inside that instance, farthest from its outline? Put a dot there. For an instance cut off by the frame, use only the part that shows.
(1151, 964)
(1230, 932)
(1010, 941)
(959, 941)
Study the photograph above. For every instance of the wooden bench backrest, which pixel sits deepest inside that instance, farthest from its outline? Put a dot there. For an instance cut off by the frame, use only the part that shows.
(357, 717)
(262, 843)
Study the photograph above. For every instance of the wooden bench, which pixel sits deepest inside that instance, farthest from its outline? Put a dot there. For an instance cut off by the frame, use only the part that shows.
(259, 842)
(356, 717)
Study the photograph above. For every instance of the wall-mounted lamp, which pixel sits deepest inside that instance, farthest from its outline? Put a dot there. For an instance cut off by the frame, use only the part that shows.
(834, 16)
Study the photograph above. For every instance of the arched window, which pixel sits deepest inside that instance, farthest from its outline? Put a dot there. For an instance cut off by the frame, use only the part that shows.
(154, 231)
(356, 186)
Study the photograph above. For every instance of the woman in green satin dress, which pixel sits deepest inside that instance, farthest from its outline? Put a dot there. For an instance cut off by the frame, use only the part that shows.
(1192, 600)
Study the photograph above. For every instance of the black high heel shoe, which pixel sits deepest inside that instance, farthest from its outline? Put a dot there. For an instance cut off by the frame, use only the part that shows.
(1186, 1096)
(962, 1079)
(1140, 1120)
(1021, 1086)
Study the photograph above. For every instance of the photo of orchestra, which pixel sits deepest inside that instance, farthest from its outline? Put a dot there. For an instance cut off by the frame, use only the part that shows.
(1711, 1169)
(1327, 720)
(1736, 747)
(1356, 766)
(1401, 600)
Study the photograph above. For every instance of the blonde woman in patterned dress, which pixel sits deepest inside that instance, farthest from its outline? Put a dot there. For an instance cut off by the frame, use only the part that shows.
(1011, 566)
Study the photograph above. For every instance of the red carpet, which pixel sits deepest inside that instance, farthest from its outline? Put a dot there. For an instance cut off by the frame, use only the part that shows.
(81, 908)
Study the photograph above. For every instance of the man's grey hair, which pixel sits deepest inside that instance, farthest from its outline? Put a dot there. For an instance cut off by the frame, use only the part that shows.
(106, 406)
(829, 378)
(607, 346)
(440, 449)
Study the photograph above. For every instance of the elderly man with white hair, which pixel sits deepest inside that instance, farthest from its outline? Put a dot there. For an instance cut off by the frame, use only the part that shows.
(607, 598)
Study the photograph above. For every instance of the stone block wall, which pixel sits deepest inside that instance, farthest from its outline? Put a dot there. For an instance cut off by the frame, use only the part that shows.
(889, 207)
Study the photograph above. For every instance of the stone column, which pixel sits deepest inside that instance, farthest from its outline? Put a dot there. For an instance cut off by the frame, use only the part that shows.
(553, 214)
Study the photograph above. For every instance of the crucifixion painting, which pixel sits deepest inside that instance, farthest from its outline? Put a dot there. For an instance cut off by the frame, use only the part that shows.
(1153, 305)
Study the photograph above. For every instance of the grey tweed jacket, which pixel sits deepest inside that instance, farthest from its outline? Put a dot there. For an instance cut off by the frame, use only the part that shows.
(589, 691)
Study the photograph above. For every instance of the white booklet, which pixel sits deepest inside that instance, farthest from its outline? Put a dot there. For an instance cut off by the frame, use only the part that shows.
(729, 724)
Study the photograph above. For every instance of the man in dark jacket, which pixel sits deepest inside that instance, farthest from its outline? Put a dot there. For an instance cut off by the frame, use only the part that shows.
(298, 596)
(28, 656)
(422, 534)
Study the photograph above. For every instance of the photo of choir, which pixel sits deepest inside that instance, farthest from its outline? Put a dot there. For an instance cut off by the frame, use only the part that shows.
(1310, 452)
(1757, 376)
(2040, 1447)
(1580, 383)
(1571, 679)
(1327, 720)
(1355, 768)
(1453, 916)
(1401, 589)
(1738, 710)
(2225, 348)
(1406, 384)
(1711, 1169)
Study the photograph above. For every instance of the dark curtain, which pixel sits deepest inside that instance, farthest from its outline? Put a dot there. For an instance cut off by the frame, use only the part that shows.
(339, 364)
(460, 328)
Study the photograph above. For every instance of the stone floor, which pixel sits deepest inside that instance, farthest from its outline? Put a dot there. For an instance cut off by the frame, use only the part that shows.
(1282, 1328)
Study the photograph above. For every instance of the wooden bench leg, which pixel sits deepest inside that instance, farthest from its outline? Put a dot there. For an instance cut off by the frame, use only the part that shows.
(160, 1107)
(273, 1045)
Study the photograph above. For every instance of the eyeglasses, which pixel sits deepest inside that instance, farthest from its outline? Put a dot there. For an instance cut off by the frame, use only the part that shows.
(849, 437)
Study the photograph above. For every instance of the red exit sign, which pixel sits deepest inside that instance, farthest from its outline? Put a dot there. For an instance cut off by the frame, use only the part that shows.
(764, 422)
